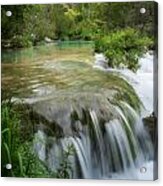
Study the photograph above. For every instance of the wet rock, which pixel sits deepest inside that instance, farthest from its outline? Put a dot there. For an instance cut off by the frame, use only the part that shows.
(150, 123)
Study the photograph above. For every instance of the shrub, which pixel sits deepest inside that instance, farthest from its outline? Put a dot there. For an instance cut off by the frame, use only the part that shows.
(20, 41)
(123, 47)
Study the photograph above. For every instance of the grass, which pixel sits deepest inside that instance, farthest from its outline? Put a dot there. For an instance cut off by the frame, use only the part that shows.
(19, 152)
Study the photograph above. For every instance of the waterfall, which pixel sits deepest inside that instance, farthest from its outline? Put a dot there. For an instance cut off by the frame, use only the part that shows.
(101, 150)
(83, 156)
(120, 146)
(109, 139)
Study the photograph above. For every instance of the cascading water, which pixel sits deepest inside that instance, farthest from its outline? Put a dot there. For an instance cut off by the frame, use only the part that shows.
(88, 109)
(112, 149)
(142, 80)
(105, 148)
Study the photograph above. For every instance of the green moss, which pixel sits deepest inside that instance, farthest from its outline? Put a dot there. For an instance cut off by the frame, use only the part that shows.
(126, 93)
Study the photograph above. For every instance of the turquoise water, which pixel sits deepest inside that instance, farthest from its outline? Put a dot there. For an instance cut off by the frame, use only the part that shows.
(34, 53)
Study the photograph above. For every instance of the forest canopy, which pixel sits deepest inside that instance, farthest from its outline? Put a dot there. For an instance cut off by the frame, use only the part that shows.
(30, 24)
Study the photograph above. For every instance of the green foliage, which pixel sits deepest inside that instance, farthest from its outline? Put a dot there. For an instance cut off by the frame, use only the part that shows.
(118, 29)
(123, 47)
(19, 152)
(65, 169)
(10, 122)
(20, 155)
(72, 21)
(20, 41)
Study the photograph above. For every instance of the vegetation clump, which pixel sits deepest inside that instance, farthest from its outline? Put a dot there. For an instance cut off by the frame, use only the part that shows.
(123, 47)
(20, 153)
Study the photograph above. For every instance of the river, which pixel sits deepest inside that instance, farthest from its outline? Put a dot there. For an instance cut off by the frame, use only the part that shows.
(93, 108)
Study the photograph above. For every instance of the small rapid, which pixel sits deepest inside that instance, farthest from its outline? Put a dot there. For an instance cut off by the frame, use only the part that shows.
(142, 80)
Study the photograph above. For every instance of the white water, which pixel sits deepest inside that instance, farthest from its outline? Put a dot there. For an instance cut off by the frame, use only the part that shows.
(142, 80)
(119, 153)
(100, 61)
(117, 149)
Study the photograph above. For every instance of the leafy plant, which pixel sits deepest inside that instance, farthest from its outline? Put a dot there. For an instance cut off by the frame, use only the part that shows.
(20, 41)
(19, 152)
(72, 21)
(123, 47)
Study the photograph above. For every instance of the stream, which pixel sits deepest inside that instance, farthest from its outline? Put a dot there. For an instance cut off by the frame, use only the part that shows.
(86, 105)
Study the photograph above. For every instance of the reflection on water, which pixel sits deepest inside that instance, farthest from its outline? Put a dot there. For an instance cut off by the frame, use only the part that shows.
(40, 70)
